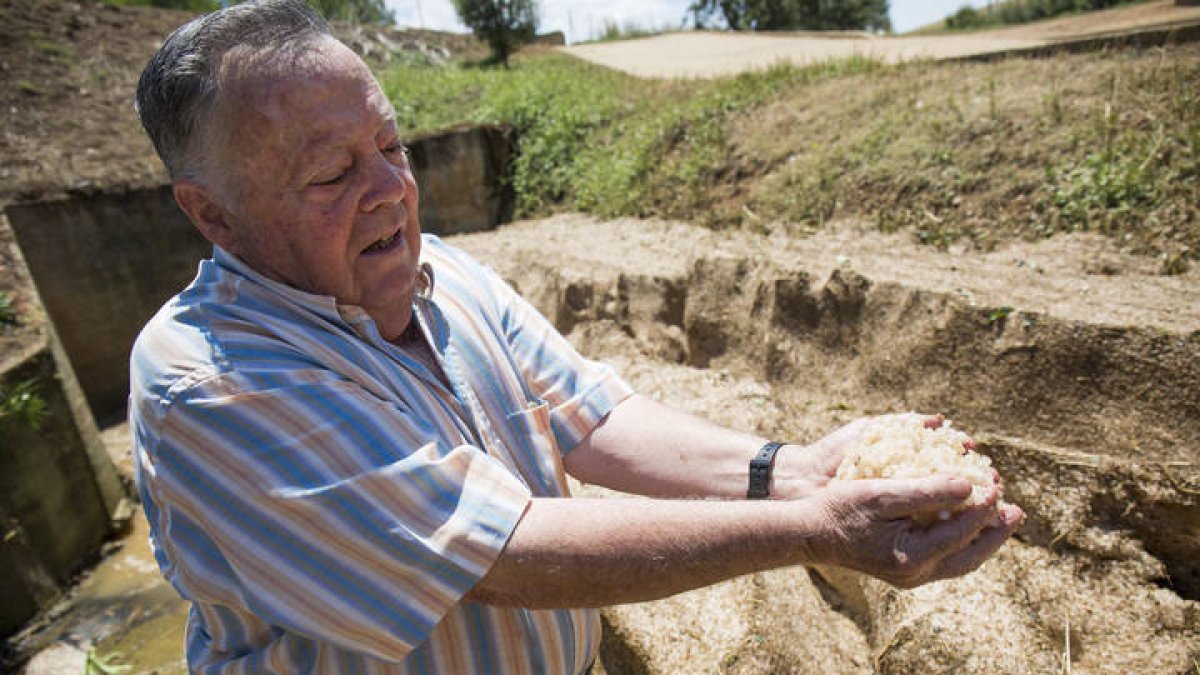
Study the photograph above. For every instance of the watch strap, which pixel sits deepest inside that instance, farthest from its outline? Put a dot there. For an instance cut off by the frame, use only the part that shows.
(760, 471)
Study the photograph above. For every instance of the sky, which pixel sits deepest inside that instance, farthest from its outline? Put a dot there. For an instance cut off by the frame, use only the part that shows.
(581, 19)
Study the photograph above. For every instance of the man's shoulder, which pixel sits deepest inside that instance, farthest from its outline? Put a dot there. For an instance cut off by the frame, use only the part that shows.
(218, 324)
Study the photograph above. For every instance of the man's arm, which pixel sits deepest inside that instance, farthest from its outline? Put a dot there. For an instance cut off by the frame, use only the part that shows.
(644, 447)
(596, 552)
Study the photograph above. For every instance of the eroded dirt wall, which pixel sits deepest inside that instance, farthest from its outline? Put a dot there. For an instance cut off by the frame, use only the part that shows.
(1093, 425)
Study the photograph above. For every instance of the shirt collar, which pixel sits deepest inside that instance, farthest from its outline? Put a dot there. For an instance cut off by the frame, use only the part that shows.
(326, 305)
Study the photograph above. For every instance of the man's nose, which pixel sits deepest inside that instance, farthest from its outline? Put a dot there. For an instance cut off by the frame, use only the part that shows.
(388, 183)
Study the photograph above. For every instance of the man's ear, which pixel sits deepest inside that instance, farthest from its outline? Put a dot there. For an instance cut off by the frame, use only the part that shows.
(205, 212)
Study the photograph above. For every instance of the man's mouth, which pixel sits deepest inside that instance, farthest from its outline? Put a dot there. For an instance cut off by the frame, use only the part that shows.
(383, 244)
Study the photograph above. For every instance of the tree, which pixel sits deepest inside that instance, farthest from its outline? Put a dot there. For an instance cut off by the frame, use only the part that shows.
(794, 14)
(504, 24)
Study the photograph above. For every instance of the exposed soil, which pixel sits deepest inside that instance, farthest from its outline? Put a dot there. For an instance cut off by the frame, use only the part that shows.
(1089, 410)
(69, 71)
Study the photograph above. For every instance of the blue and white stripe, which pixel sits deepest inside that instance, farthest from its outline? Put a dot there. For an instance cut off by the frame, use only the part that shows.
(325, 501)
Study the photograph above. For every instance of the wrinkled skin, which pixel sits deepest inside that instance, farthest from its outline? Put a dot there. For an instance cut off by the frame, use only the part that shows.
(307, 181)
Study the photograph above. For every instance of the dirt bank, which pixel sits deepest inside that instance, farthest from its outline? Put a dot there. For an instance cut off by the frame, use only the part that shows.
(1085, 398)
(1088, 407)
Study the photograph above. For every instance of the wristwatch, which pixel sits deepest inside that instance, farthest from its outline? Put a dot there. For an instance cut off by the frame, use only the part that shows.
(760, 471)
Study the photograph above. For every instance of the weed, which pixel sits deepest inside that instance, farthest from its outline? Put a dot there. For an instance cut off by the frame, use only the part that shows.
(95, 665)
(993, 106)
(936, 234)
(8, 311)
(594, 139)
(23, 402)
(1052, 100)
(1099, 188)
(999, 314)
(614, 30)
(56, 50)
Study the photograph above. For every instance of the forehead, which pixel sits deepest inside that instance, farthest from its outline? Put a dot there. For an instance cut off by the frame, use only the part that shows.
(307, 92)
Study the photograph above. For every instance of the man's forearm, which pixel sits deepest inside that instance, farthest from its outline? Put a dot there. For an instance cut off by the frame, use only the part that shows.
(596, 552)
(647, 448)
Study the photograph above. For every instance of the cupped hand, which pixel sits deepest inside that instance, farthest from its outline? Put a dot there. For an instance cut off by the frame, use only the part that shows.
(802, 470)
(867, 525)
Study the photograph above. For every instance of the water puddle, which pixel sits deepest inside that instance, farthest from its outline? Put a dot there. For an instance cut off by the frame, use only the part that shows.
(122, 617)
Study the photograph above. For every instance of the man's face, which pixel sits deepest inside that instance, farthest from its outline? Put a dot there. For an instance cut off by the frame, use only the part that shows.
(316, 189)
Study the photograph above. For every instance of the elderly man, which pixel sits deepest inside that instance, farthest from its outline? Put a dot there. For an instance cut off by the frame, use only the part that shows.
(352, 440)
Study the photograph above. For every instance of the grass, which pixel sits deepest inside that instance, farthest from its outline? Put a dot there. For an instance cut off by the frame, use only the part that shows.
(8, 310)
(593, 139)
(56, 50)
(23, 403)
(628, 30)
(952, 153)
(1014, 12)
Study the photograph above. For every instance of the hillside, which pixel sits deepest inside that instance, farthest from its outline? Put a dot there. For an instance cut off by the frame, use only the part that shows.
(951, 152)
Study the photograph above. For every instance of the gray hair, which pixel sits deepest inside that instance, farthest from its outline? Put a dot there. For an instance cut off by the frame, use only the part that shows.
(179, 87)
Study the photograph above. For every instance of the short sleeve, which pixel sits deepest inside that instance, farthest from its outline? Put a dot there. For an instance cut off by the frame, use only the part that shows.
(323, 509)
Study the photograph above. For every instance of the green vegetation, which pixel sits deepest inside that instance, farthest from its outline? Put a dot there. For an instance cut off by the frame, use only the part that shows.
(793, 14)
(628, 30)
(8, 311)
(1023, 11)
(95, 665)
(55, 50)
(949, 152)
(23, 403)
(999, 314)
(594, 139)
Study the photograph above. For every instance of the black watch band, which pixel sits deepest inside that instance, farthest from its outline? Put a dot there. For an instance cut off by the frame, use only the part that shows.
(760, 471)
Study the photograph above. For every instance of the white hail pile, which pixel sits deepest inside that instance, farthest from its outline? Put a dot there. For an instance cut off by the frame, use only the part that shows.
(903, 447)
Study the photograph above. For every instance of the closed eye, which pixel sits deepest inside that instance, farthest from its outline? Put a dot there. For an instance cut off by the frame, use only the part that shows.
(333, 180)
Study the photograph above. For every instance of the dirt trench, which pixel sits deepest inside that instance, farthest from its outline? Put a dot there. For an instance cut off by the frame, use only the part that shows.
(1082, 386)
(1092, 423)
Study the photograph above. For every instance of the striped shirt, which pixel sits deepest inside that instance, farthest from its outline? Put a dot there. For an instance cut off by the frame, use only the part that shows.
(325, 501)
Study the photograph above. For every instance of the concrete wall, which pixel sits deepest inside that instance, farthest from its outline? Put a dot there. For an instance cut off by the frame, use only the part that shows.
(463, 176)
(58, 488)
(104, 263)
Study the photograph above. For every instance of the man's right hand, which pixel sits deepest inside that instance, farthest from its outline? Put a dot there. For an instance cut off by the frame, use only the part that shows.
(867, 525)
